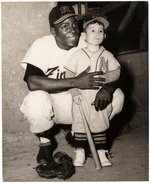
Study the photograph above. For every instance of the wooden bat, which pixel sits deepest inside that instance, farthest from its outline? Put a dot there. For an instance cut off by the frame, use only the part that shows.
(90, 139)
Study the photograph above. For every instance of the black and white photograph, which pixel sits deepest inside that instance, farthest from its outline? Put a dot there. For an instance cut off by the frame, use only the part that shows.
(75, 91)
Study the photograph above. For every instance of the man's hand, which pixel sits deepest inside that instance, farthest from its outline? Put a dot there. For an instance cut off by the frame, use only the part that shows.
(91, 80)
(103, 97)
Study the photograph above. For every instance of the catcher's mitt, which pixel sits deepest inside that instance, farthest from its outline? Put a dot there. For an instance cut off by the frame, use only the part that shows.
(61, 157)
(60, 166)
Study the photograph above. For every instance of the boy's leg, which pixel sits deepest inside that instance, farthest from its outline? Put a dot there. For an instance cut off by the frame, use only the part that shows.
(102, 153)
(79, 141)
(100, 143)
(80, 157)
(100, 138)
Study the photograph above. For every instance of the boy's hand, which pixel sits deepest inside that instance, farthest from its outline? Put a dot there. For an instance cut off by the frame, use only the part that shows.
(91, 80)
(76, 95)
(103, 97)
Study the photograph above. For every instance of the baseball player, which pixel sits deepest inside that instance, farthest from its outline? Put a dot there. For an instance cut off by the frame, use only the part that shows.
(49, 102)
(95, 56)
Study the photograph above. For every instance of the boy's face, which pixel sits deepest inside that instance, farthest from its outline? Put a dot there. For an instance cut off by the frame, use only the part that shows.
(94, 34)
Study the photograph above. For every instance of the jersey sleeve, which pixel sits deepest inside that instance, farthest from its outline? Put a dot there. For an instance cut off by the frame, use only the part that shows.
(32, 70)
(37, 55)
(113, 67)
(112, 75)
(113, 63)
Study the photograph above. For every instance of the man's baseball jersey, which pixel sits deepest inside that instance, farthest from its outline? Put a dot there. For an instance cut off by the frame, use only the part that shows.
(49, 60)
(47, 56)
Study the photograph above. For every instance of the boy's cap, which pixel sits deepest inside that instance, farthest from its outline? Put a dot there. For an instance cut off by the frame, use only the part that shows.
(60, 13)
(100, 19)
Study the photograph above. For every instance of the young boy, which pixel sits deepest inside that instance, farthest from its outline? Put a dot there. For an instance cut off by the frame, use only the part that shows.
(99, 59)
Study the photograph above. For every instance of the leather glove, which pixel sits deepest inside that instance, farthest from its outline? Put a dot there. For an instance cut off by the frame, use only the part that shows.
(103, 97)
(60, 166)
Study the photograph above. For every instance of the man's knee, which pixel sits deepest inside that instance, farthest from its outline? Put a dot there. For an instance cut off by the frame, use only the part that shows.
(118, 100)
(36, 102)
(37, 109)
(38, 96)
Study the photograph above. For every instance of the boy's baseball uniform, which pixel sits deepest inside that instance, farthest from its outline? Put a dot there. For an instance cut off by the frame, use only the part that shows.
(102, 60)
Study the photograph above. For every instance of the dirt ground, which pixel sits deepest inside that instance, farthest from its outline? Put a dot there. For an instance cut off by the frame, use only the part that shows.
(129, 156)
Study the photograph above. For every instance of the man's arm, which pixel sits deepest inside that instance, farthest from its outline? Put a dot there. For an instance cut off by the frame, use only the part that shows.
(105, 95)
(85, 80)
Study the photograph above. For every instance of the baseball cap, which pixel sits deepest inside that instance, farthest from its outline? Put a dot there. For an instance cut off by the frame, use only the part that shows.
(100, 19)
(59, 13)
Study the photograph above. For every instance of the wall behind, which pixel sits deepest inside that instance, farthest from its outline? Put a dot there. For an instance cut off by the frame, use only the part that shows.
(22, 23)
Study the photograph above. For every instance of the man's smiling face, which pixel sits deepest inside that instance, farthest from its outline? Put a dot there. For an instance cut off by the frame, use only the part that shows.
(67, 33)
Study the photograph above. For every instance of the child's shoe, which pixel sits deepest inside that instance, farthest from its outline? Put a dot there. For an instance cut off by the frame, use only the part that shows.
(80, 157)
(103, 158)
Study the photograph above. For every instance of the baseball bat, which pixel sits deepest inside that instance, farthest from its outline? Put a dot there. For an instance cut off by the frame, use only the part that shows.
(90, 139)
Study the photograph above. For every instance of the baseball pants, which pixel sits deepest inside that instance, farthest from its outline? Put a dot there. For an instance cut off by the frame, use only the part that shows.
(42, 109)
